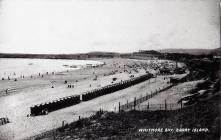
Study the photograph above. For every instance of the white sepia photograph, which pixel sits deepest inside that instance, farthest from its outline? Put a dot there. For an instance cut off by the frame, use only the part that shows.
(110, 69)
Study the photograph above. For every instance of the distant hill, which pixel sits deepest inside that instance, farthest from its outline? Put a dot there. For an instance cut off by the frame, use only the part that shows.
(100, 52)
(103, 54)
(193, 51)
(97, 54)
(148, 52)
(216, 51)
(61, 56)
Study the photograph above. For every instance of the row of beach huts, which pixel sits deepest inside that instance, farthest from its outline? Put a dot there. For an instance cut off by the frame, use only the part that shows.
(47, 107)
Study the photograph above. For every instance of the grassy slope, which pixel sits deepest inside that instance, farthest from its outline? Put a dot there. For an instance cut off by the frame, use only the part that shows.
(125, 125)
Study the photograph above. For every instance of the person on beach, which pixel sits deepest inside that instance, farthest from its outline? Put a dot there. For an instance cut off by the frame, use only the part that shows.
(69, 86)
(6, 91)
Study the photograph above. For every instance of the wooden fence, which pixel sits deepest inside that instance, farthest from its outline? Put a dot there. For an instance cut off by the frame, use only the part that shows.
(135, 104)
(165, 106)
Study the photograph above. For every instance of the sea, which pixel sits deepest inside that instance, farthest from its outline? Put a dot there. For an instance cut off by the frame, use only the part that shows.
(17, 67)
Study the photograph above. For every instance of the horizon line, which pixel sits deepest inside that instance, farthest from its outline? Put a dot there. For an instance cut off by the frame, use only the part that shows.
(108, 51)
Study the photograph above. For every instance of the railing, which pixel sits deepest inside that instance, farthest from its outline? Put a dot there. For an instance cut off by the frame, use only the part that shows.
(136, 102)
(166, 106)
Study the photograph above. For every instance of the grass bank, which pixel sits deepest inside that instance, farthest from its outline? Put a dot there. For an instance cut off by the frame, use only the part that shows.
(126, 125)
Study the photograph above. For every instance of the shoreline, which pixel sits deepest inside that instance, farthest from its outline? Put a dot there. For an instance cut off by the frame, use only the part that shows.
(22, 126)
(42, 66)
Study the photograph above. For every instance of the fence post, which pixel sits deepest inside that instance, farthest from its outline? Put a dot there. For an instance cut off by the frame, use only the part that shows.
(62, 123)
(134, 103)
(101, 111)
(165, 104)
(181, 104)
(119, 106)
(127, 104)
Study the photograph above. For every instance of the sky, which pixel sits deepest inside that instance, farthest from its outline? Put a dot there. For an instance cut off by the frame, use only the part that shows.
(79, 26)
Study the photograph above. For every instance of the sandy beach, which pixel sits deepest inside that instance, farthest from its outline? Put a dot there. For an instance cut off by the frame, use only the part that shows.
(27, 92)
